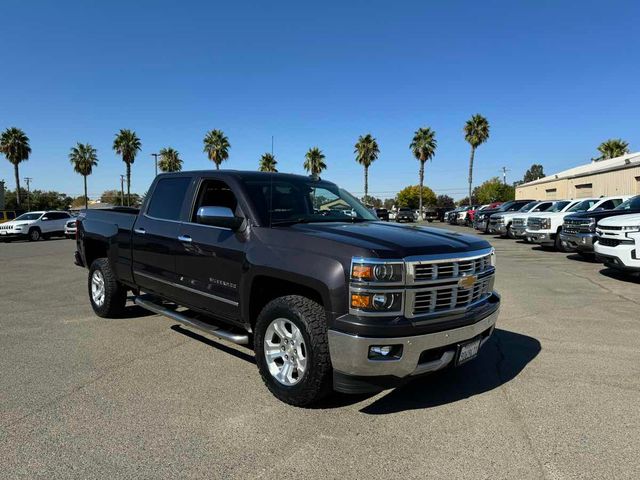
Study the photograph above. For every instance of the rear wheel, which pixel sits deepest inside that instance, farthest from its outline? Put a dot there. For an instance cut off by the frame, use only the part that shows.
(107, 295)
(292, 350)
(34, 234)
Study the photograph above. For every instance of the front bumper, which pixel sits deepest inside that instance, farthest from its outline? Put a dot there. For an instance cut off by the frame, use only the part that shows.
(540, 237)
(623, 257)
(12, 235)
(480, 225)
(578, 241)
(519, 232)
(350, 353)
(499, 228)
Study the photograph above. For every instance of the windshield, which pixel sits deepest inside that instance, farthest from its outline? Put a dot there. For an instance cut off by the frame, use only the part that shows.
(280, 201)
(506, 206)
(29, 216)
(631, 204)
(528, 206)
(584, 205)
(557, 207)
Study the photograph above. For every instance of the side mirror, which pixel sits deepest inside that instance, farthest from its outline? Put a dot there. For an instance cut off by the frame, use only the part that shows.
(218, 217)
(44, 218)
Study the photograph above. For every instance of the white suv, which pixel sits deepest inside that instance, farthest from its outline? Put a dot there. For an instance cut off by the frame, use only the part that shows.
(618, 244)
(34, 226)
(545, 228)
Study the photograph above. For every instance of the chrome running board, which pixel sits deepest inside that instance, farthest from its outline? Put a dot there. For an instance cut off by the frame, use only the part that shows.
(218, 332)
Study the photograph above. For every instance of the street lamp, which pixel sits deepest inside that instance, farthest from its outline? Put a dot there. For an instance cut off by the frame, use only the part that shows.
(156, 156)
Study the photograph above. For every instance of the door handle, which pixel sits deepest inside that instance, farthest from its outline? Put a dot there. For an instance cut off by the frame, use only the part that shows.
(141, 231)
(185, 238)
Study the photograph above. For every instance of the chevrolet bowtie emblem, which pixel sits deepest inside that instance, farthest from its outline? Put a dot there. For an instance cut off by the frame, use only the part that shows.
(467, 282)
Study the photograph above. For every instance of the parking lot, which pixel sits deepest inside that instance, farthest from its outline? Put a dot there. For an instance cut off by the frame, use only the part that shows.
(554, 394)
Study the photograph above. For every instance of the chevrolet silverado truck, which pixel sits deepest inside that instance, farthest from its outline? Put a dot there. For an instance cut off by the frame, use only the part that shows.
(618, 242)
(328, 301)
(545, 228)
(579, 229)
(519, 222)
(481, 220)
(502, 223)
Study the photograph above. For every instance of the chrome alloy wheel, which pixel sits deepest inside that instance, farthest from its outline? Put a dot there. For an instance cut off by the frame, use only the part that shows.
(97, 288)
(285, 352)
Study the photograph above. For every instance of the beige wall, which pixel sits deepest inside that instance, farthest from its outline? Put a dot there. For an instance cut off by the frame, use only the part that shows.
(618, 182)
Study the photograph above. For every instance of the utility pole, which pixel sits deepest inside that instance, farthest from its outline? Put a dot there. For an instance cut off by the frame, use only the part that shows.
(271, 144)
(28, 180)
(122, 190)
(156, 156)
(504, 174)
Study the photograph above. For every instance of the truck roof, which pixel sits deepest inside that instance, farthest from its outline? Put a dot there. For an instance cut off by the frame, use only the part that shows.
(242, 174)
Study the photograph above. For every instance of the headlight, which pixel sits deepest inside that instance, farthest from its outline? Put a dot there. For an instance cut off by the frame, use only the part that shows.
(366, 271)
(376, 302)
(545, 223)
(592, 224)
(499, 218)
(632, 228)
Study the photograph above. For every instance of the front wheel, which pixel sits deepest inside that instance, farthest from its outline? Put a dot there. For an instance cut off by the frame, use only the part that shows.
(292, 350)
(106, 294)
(510, 233)
(34, 234)
(558, 243)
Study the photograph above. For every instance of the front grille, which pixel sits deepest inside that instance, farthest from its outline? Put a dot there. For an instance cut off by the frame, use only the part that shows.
(534, 223)
(444, 270)
(576, 226)
(441, 298)
(609, 228)
(609, 242)
(494, 221)
(519, 222)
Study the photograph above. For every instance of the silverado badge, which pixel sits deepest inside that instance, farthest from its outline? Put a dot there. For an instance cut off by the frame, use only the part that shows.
(467, 282)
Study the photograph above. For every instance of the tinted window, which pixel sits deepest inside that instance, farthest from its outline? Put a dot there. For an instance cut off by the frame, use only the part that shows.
(631, 204)
(608, 205)
(168, 196)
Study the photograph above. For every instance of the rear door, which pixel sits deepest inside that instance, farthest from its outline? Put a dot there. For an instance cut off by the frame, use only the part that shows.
(154, 239)
(210, 259)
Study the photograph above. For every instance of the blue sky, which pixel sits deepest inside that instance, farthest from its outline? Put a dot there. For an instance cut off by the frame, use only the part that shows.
(553, 78)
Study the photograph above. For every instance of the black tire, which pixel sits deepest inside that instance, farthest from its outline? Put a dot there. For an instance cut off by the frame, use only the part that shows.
(34, 234)
(309, 317)
(558, 243)
(115, 294)
(510, 233)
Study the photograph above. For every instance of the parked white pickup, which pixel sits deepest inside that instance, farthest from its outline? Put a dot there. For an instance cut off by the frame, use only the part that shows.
(618, 244)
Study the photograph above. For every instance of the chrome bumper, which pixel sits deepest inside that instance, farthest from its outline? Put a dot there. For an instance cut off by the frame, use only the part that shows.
(500, 228)
(518, 231)
(539, 237)
(578, 241)
(350, 353)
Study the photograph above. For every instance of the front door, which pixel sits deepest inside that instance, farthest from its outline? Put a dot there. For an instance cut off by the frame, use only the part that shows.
(210, 261)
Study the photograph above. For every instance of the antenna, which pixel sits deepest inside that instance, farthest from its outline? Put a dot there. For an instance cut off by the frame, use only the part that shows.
(504, 171)
(28, 180)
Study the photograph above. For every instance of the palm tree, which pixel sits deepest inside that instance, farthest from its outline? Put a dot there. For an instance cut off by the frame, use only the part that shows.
(14, 144)
(170, 160)
(476, 132)
(268, 163)
(84, 157)
(423, 147)
(127, 145)
(612, 148)
(314, 161)
(216, 146)
(367, 151)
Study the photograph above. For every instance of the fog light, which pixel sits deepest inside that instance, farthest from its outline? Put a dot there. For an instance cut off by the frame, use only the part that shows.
(385, 352)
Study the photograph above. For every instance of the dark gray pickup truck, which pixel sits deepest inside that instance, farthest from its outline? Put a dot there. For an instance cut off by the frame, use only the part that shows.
(329, 297)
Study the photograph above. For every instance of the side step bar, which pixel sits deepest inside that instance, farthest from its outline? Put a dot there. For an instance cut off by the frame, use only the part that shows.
(218, 332)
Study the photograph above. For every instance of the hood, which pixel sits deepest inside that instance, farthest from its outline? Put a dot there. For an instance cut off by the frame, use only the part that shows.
(622, 220)
(392, 240)
(548, 215)
(18, 222)
(602, 214)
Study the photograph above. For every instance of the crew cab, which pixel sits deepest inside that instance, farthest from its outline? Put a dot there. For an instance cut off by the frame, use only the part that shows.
(34, 226)
(579, 229)
(501, 223)
(618, 242)
(481, 219)
(545, 228)
(328, 301)
(519, 222)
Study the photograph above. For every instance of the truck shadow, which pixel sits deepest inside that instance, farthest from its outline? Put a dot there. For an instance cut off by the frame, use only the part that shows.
(621, 276)
(504, 356)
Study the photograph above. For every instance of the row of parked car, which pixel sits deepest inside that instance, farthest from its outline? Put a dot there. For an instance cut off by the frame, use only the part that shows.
(34, 226)
(605, 228)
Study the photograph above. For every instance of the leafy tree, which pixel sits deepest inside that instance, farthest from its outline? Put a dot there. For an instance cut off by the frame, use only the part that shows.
(445, 201)
(494, 190)
(314, 161)
(111, 197)
(414, 195)
(367, 151)
(14, 144)
(127, 145)
(268, 163)
(423, 147)
(534, 173)
(612, 148)
(476, 132)
(40, 200)
(465, 200)
(216, 146)
(371, 201)
(389, 203)
(79, 202)
(170, 160)
(84, 157)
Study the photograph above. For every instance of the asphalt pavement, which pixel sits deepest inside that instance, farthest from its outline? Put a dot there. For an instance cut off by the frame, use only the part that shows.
(555, 394)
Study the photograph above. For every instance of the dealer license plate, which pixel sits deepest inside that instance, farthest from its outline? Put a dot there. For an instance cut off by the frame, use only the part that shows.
(468, 351)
